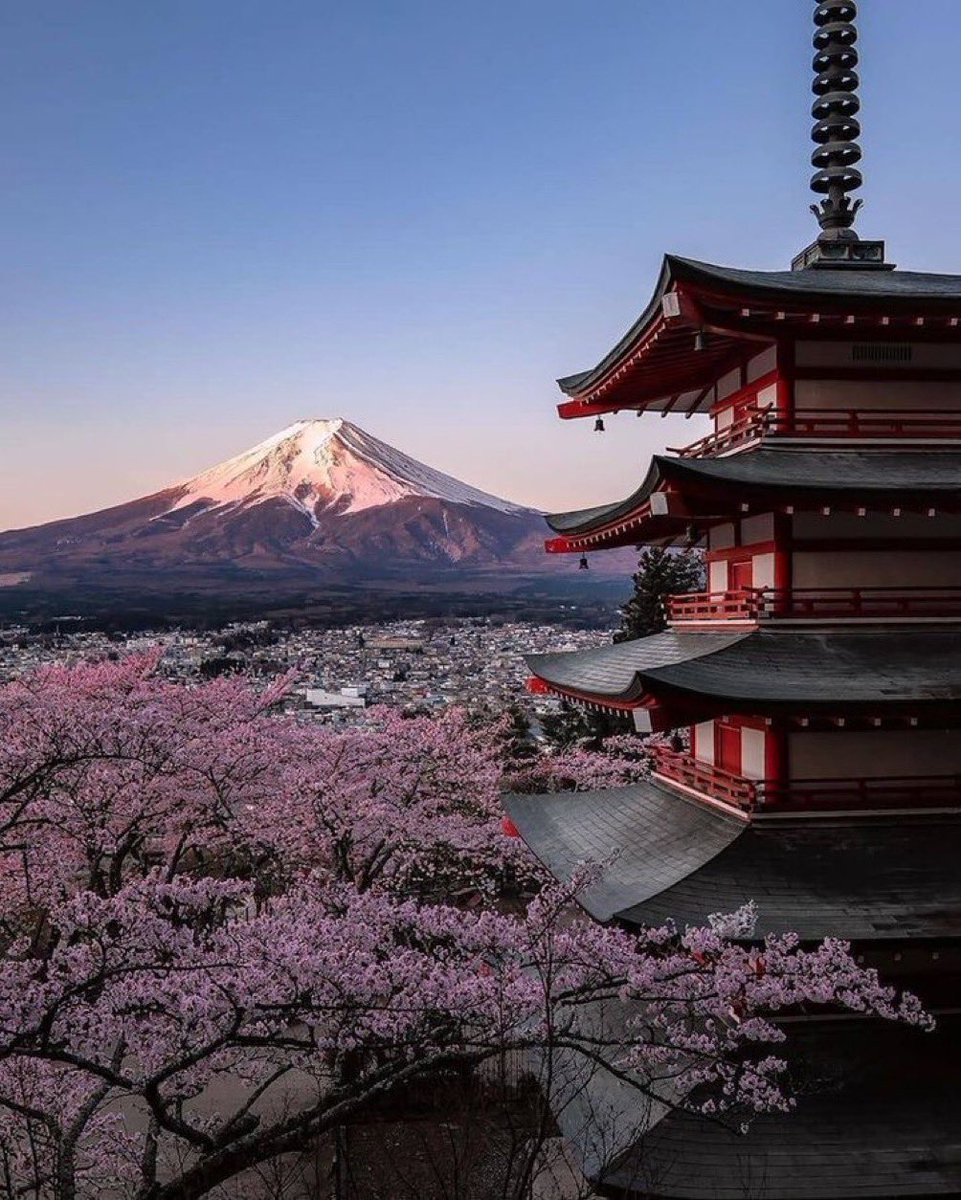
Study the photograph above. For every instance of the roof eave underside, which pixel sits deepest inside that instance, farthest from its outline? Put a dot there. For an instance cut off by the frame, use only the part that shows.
(699, 479)
(801, 293)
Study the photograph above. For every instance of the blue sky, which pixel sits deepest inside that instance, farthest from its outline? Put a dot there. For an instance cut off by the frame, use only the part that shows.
(217, 218)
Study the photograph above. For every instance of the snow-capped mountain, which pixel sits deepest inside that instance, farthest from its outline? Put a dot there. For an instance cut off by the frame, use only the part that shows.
(331, 466)
(320, 505)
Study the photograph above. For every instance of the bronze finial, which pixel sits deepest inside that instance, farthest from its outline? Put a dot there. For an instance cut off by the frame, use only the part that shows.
(836, 150)
(835, 112)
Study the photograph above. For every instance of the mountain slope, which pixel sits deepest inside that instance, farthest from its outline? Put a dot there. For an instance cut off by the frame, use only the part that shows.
(332, 464)
(320, 503)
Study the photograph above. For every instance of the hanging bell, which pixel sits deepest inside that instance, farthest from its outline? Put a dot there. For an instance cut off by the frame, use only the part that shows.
(599, 425)
(583, 565)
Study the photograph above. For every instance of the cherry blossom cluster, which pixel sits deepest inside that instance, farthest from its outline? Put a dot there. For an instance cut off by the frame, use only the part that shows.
(224, 932)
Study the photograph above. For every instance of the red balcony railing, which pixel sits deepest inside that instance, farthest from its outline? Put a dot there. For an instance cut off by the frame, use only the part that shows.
(807, 795)
(894, 424)
(749, 428)
(705, 778)
(818, 604)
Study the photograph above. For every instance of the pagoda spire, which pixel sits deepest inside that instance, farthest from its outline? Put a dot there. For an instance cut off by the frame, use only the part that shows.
(835, 107)
(836, 149)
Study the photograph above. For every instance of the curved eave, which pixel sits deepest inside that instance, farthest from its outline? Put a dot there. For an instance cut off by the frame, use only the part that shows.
(602, 516)
(838, 670)
(622, 523)
(766, 672)
(839, 291)
(579, 384)
(654, 366)
(658, 838)
(664, 857)
(677, 491)
(639, 529)
(613, 675)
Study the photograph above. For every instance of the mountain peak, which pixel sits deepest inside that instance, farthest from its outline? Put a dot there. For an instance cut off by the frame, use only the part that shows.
(326, 464)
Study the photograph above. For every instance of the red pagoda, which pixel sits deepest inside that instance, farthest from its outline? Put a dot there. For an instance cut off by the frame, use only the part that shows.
(818, 678)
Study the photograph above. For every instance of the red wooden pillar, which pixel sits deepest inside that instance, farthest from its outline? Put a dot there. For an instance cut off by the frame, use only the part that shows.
(776, 764)
(785, 386)
(783, 564)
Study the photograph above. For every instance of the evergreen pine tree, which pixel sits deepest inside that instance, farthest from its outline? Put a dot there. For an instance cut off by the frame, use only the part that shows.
(573, 726)
(660, 573)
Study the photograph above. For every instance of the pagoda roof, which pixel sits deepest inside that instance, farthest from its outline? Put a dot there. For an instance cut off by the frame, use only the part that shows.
(769, 670)
(820, 283)
(667, 857)
(876, 1116)
(654, 365)
(616, 671)
(709, 487)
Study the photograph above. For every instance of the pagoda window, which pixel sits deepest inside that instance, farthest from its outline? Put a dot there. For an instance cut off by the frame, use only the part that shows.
(722, 537)
(763, 574)
(717, 575)
(702, 742)
(757, 529)
(753, 753)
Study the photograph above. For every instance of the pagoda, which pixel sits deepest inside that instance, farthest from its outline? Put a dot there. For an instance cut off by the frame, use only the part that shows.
(815, 683)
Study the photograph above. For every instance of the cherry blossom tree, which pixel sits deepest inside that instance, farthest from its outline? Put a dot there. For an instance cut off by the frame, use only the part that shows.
(225, 932)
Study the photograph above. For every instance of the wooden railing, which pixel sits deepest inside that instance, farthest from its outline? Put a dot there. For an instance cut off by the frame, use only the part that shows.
(821, 604)
(806, 795)
(705, 778)
(749, 428)
(896, 424)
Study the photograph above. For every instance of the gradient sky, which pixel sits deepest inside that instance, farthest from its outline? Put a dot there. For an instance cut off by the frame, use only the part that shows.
(219, 216)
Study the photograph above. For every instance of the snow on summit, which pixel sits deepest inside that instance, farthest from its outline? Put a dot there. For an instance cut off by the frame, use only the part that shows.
(319, 464)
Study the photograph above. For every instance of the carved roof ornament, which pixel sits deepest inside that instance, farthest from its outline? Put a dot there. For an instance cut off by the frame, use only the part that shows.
(835, 133)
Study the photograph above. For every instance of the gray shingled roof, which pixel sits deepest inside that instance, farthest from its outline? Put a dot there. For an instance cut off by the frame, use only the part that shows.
(612, 670)
(658, 838)
(782, 667)
(811, 670)
(895, 290)
(927, 472)
(877, 1116)
(814, 473)
(861, 878)
(909, 286)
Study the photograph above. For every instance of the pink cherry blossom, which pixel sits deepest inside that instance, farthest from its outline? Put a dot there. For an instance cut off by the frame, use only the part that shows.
(203, 899)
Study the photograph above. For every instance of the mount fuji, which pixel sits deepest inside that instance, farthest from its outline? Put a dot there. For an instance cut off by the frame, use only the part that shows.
(330, 467)
(321, 504)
